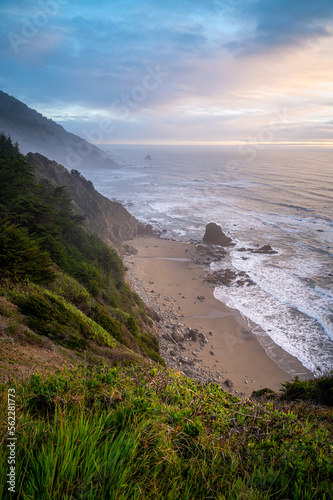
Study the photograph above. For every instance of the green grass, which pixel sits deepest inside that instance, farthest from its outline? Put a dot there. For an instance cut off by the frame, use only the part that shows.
(67, 314)
(130, 433)
(51, 315)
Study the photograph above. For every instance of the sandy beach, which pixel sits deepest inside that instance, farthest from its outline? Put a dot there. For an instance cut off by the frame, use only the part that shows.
(226, 349)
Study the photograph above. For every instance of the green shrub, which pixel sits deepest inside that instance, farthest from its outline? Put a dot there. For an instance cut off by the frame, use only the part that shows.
(319, 390)
(21, 257)
(52, 316)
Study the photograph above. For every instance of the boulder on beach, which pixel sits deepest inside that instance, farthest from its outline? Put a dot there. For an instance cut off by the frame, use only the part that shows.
(229, 383)
(215, 236)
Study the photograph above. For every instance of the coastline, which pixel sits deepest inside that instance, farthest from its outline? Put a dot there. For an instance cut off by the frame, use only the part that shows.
(229, 349)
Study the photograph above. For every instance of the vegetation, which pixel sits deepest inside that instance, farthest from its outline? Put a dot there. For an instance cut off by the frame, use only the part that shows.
(319, 390)
(68, 283)
(127, 433)
(110, 425)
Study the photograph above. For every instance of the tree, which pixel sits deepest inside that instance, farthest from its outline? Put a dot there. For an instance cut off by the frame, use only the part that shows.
(21, 258)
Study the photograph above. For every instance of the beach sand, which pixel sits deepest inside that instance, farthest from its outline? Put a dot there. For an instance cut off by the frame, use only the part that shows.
(166, 277)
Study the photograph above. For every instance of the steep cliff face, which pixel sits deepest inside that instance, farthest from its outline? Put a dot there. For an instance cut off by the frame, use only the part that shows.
(108, 219)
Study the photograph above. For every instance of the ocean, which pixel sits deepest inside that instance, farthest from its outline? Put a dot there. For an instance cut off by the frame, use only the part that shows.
(281, 196)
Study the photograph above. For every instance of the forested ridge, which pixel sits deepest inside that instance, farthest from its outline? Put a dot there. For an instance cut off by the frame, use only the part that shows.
(49, 265)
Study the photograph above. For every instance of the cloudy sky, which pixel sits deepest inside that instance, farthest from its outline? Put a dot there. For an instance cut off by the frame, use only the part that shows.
(167, 71)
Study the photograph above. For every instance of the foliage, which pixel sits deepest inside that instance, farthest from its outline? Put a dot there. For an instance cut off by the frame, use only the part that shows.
(51, 316)
(21, 257)
(319, 390)
(39, 231)
(154, 434)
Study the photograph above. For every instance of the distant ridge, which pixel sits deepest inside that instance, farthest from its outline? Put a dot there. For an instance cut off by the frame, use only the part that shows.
(35, 133)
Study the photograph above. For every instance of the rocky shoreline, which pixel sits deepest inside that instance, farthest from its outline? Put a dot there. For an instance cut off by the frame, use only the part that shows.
(198, 334)
(180, 344)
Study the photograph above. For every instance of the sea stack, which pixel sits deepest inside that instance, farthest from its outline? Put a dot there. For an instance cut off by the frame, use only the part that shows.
(215, 236)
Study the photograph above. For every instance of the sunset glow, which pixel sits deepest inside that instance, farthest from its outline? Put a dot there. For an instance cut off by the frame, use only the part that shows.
(214, 72)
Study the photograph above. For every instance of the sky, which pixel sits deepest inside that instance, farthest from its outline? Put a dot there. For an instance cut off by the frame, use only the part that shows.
(174, 72)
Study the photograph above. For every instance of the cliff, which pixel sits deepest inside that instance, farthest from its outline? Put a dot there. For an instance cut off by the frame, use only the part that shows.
(108, 219)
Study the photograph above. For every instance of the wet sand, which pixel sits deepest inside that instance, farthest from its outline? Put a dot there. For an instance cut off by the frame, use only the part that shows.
(165, 275)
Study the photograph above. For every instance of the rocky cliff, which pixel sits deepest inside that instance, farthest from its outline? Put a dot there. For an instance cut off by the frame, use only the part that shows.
(108, 219)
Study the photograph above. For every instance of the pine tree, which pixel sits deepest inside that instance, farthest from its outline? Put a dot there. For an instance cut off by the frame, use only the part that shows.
(21, 257)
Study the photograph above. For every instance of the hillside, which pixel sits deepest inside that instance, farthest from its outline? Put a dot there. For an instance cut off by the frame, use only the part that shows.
(59, 283)
(108, 219)
(35, 133)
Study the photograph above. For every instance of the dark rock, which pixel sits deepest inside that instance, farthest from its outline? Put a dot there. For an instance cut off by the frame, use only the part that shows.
(208, 254)
(147, 230)
(229, 383)
(177, 335)
(227, 277)
(191, 334)
(265, 249)
(202, 338)
(186, 360)
(148, 157)
(215, 236)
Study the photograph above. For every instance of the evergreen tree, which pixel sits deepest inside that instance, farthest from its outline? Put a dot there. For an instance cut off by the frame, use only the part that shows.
(21, 258)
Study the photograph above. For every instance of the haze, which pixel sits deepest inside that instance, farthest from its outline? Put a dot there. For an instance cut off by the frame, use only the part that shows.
(185, 72)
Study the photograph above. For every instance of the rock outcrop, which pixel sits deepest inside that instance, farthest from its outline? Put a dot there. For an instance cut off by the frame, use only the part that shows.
(229, 277)
(265, 249)
(215, 236)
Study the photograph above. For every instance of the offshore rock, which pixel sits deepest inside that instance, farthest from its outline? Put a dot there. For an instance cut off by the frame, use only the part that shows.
(215, 236)
(265, 249)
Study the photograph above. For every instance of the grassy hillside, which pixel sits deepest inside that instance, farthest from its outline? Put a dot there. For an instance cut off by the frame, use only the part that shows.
(88, 411)
(149, 433)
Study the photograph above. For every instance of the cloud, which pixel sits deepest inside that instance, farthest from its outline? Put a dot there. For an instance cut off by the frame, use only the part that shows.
(89, 55)
(283, 24)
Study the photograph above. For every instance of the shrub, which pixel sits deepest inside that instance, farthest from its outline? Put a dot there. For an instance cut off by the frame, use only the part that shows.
(319, 390)
(52, 316)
